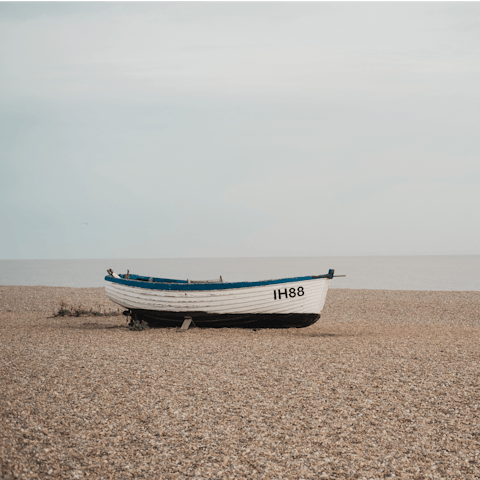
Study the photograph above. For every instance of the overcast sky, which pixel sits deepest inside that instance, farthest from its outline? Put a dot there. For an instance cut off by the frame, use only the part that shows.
(239, 129)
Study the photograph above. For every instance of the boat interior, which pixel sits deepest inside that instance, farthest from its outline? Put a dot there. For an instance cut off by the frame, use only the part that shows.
(139, 278)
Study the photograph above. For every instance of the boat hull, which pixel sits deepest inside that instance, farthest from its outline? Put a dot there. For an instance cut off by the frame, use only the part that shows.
(285, 303)
(218, 320)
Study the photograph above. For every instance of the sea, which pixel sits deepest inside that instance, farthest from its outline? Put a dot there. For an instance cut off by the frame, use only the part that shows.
(446, 272)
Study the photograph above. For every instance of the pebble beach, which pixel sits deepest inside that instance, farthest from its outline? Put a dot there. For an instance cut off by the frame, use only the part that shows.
(384, 385)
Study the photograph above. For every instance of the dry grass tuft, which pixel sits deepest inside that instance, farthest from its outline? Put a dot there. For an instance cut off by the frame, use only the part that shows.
(67, 310)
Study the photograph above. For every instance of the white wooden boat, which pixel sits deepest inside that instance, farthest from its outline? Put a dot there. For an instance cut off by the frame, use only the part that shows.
(282, 303)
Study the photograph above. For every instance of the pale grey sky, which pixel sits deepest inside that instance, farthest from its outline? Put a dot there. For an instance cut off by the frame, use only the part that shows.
(239, 129)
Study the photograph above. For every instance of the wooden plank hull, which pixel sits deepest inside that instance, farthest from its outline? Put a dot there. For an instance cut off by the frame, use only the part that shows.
(285, 303)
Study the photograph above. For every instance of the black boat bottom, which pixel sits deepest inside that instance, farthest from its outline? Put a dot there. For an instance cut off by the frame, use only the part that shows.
(222, 320)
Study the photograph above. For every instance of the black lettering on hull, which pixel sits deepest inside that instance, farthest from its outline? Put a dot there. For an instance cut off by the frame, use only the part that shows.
(291, 293)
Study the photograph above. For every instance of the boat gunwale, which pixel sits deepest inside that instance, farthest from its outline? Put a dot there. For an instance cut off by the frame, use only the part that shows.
(183, 285)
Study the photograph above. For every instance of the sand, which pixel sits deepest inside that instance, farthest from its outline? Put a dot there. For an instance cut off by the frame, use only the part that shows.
(385, 385)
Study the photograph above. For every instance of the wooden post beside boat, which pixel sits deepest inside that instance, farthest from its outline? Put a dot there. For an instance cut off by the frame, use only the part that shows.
(186, 323)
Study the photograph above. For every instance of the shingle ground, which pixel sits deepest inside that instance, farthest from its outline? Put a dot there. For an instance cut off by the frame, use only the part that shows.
(385, 384)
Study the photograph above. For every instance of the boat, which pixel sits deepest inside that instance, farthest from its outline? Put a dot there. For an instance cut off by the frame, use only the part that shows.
(163, 302)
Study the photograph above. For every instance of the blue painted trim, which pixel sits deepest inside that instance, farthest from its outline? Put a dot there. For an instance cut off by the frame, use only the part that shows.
(183, 285)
